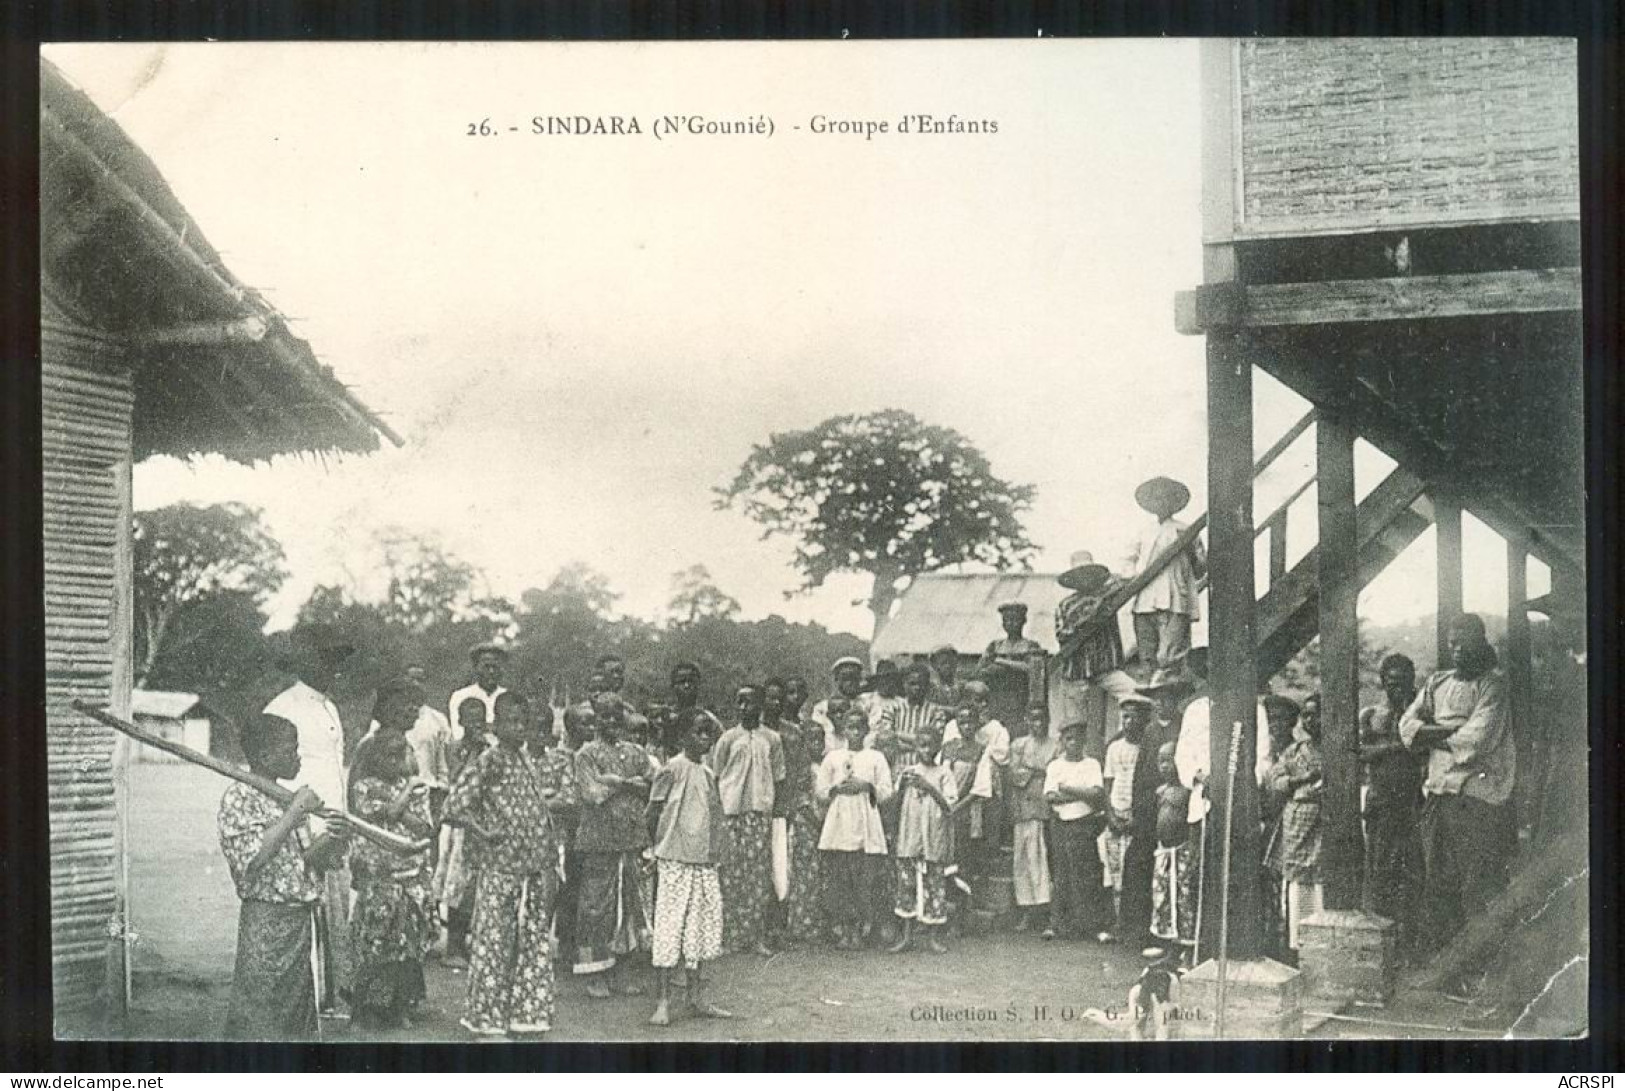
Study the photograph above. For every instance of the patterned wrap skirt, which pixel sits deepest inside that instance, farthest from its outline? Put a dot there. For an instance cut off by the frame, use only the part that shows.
(921, 891)
(746, 874)
(273, 989)
(610, 920)
(803, 909)
(510, 963)
(1174, 893)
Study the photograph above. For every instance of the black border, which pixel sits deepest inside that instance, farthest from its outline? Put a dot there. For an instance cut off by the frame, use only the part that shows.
(26, 1044)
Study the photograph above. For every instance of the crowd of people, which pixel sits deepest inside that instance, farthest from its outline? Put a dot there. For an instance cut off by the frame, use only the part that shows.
(905, 806)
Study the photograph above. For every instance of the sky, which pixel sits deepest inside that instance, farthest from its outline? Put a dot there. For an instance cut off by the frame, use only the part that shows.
(580, 337)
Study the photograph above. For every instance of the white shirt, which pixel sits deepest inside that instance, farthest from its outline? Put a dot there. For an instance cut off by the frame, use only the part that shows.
(321, 744)
(994, 739)
(1174, 588)
(472, 690)
(1193, 752)
(1072, 774)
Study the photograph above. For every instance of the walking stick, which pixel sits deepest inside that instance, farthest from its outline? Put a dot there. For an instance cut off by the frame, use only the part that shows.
(1224, 876)
(393, 842)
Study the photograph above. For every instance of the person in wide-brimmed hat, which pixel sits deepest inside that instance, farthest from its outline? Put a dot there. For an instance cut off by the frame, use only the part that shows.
(1091, 644)
(847, 673)
(1165, 607)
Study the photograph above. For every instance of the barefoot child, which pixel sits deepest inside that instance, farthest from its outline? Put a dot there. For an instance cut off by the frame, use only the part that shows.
(924, 842)
(612, 785)
(1077, 799)
(852, 782)
(1173, 883)
(690, 840)
(454, 875)
(499, 804)
(393, 922)
(275, 863)
(1122, 756)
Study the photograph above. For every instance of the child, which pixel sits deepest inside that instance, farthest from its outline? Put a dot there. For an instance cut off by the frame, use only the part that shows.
(1173, 883)
(1293, 852)
(498, 803)
(454, 877)
(1122, 756)
(852, 782)
(924, 842)
(275, 863)
(1030, 756)
(690, 840)
(612, 779)
(556, 773)
(393, 922)
(1077, 799)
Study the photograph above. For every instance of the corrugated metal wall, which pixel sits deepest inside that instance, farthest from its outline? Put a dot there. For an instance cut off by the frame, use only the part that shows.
(87, 406)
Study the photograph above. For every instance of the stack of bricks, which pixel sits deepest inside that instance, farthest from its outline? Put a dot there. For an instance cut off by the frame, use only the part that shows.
(1262, 999)
(1347, 957)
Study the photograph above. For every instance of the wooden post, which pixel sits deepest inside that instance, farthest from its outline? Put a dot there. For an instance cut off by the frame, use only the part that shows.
(122, 628)
(1232, 676)
(1338, 575)
(1519, 672)
(1447, 524)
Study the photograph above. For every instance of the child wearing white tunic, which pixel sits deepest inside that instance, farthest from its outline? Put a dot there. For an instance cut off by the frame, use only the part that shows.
(853, 783)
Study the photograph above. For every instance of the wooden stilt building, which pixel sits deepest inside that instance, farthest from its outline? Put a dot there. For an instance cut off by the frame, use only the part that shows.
(149, 347)
(1391, 229)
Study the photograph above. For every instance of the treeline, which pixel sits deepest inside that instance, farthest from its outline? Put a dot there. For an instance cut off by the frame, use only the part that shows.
(201, 599)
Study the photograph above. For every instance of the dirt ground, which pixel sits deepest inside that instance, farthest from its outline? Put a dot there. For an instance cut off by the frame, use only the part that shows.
(184, 913)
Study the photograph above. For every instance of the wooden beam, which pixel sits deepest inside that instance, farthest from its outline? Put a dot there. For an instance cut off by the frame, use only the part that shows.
(246, 330)
(1232, 675)
(1277, 531)
(1447, 522)
(1338, 591)
(1221, 178)
(1381, 299)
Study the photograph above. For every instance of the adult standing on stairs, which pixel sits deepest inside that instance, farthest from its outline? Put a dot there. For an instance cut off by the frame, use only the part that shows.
(1166, 605)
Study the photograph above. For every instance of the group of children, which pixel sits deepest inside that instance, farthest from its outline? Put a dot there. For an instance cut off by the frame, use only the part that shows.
(621, 836)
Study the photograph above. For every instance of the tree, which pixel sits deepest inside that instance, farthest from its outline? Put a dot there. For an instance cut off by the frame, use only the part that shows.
(428, 586)
(883, 494)
(185, 555)
(695, 596)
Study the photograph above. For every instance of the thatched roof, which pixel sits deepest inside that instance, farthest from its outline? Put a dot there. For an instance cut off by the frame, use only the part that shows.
(216, 367)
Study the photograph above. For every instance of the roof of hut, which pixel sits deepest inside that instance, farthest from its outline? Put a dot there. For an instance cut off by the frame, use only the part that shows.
(216, 367)
(963, 610)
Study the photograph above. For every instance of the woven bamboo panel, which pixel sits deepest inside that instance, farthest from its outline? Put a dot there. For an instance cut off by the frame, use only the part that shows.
(87, 401)
(1340, 135)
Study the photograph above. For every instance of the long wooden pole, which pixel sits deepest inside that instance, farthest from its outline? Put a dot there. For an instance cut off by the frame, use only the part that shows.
(394, 842)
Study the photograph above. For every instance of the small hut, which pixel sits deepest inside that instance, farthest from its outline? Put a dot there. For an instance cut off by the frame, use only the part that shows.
(173, 717)
(149, 346)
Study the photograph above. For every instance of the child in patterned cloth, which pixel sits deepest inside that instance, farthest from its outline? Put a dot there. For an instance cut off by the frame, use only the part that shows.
(499, 803)
(690, 840)
(925, 842)
(1173, 882)
(275, 864)
(1122, 756)
(393, 923)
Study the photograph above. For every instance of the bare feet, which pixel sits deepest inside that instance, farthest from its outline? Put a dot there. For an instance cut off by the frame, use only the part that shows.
(764, 950)
(631, 988)
(598, 988)
(706, 1010)
(661, 1017)
(936, 945)
(901, 945)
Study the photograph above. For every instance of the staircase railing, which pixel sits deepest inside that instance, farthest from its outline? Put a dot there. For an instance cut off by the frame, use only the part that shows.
(1275, 524)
